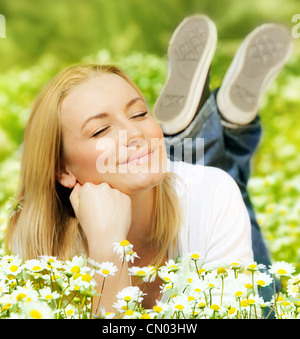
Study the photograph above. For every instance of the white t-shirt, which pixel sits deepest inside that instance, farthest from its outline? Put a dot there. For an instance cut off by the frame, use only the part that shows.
(216, 223)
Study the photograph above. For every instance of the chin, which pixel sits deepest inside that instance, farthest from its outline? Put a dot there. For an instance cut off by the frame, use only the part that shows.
(142, 181)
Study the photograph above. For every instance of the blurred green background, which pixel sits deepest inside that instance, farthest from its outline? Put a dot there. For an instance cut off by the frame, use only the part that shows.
(44, 36)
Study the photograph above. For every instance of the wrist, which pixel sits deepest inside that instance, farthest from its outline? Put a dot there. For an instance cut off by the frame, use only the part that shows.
(103, 251)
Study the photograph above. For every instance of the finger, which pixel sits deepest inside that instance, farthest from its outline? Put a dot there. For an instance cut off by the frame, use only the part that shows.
(74, 196)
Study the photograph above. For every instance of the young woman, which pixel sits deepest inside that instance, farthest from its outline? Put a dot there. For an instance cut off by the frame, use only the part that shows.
(95, 172)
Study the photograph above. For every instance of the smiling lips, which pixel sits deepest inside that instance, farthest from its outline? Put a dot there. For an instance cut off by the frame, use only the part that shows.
(138, 158)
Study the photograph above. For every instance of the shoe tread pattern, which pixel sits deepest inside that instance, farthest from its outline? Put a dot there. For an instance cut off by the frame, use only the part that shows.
(262, 56)
(185, 51)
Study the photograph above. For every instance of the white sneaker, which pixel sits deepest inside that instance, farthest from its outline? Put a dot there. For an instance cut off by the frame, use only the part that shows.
(258, 61)
(190, 53)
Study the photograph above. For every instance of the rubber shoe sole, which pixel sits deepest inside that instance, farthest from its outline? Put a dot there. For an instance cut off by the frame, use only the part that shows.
(258, 61)
(190, 53)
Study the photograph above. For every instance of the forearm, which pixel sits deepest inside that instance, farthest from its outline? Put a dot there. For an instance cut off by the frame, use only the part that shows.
(108, 287)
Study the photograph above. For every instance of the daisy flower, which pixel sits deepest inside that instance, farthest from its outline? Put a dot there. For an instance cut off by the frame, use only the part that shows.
(106, 315)
(35, 266)
(195, 256)
(24, 294)
(131, 314)
(125, 251)
(107, 269)
(82, 282)
(263, 279)
(48, 295)
(71, 312)
(77, 265)
(131, 293)
(12, 266)
(159, 310)
(37, 310)
(166, 276)
(122, 305)
(52, 262)
(282, 269)
(254, 267)
(147, 273)
(181, 304)
(171, 265)
(293, 287)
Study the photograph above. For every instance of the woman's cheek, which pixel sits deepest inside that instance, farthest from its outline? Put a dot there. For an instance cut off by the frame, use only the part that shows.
(106, 160)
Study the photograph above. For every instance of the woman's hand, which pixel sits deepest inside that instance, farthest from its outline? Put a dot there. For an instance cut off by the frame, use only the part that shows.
(104, 214)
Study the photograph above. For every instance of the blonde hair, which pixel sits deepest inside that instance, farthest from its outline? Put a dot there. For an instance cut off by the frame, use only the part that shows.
(45, 224)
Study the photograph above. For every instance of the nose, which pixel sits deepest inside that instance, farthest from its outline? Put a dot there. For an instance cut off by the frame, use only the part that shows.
(131, 136)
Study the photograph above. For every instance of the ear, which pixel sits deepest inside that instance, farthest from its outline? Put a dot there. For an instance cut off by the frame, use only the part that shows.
(65, 177)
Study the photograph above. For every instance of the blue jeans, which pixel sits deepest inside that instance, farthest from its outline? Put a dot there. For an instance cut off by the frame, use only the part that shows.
(230, 149)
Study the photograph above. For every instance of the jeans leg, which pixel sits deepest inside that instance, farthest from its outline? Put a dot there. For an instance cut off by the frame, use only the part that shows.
(230, 149)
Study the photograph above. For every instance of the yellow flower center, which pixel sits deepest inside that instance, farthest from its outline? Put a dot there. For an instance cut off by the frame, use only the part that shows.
(221, 270)
(86, 277)
(215, 307)
(141, 272)
(251, 301)
(179, 307)
(244, 303)
(157, 308)
(20, 296)
(35, 314)
(104, 271)
(124, 243)
(127, 298)
(231, 310)
(76, 275)
(281, 271)
(75, 269)
(36, 268)
(13, 268)
(195, 256)
(235, 264)
(129, 312)
(5, 307)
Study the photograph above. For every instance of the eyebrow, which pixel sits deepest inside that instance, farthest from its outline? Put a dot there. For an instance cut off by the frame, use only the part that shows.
(105, 115)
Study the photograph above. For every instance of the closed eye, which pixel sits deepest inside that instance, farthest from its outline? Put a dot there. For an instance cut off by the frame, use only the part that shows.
(100, 132)
(140, 115)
